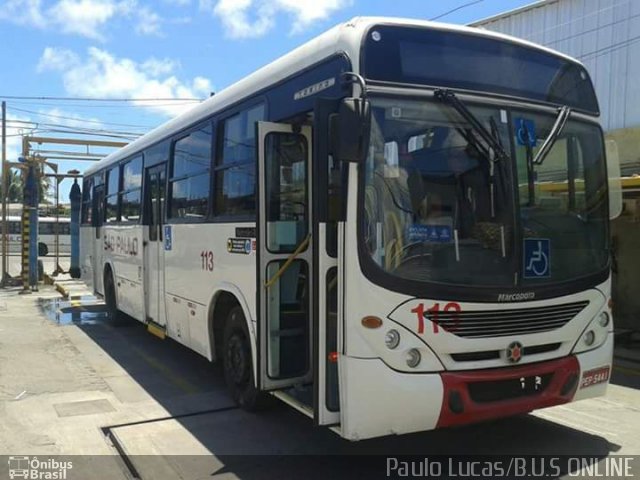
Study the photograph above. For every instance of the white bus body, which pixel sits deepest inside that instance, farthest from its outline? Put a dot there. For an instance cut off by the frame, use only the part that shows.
(46, 234)
(444, 279)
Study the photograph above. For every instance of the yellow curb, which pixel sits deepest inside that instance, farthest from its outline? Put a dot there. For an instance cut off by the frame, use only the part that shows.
(63, 291)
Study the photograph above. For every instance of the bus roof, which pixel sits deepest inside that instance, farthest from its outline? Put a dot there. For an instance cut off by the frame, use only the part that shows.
(343, 38)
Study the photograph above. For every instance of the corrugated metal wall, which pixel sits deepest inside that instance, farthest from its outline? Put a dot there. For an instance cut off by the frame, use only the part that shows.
(603, 34)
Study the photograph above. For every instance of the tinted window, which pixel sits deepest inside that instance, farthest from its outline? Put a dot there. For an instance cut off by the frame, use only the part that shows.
(235, 190)
(111, 208)
(157, 154)
(130, 206)
(286, 191)
(131, 190)
(87, 187)
(239, 141)
(190, 197)
(190, 178)
(192, 154)
(235, 164)
(132, 174)
(113, 180)
(472, 62)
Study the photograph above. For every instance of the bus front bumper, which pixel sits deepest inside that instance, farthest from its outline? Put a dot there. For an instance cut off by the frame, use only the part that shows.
(480, 395)
(382, 401)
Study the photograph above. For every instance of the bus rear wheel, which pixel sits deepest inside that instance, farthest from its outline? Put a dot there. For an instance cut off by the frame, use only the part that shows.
(237, 363)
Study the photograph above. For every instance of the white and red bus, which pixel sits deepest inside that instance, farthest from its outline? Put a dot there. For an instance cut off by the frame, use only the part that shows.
(399, 226)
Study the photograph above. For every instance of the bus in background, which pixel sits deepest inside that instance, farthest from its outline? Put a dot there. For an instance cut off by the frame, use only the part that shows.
(47, 227)
(399, 226)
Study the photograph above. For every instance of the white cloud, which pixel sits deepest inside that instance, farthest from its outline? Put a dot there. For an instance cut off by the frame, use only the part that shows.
(149, 22)
(87, 18)
(69, 119)
(23, 12)
(56, 59)
(254, 18)
(102, 75)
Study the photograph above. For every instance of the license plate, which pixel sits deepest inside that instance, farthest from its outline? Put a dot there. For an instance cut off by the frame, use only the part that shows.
(594, 377)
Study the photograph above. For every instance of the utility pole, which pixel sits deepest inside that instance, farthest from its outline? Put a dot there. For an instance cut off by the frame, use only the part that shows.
(5, 193)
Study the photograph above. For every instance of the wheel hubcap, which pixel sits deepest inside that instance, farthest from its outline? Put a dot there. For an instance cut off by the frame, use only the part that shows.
(236, 360)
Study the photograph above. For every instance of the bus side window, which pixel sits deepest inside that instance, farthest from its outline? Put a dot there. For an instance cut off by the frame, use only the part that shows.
(131, 192)
(189, 184)
(111, 197)
(235, 166)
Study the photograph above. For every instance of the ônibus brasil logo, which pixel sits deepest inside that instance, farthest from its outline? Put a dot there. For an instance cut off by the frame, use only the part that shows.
(32, 468)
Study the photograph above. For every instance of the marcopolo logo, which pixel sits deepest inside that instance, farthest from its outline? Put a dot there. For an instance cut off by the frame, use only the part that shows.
(34, 469)
(516, 297)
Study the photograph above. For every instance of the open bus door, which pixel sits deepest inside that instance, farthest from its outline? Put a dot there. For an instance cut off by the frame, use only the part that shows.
(285, 257)
(298, 263)
(328, 211)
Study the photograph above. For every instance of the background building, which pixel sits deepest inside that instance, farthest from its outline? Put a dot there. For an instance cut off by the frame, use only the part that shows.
(605, 36)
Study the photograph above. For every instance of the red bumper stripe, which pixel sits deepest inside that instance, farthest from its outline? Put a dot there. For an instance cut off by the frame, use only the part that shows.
(564, 372)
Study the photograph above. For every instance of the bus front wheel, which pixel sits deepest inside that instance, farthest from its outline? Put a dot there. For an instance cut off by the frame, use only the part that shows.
(115, 315)
(237, 364)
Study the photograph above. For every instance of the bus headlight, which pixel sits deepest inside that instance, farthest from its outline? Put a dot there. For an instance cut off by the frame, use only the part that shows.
(589, 338)
(604, 319)
(595, 334)
(392, 339)
(413, 358)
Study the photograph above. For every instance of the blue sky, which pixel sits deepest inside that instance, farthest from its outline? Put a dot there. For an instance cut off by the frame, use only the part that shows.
(161, 49)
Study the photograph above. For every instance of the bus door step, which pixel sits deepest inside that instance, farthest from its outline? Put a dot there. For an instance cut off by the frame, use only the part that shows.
(156, 329)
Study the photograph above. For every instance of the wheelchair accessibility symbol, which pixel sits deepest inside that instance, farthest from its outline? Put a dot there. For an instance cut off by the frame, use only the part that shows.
(537, 257)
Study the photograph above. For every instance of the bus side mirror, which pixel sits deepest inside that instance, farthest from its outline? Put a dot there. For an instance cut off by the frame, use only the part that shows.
(615, 180)
(349, 130)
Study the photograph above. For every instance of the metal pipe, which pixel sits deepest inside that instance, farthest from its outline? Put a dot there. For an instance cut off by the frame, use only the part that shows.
(5, 193)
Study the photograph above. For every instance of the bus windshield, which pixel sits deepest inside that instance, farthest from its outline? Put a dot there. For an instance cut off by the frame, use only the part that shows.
(439, 208)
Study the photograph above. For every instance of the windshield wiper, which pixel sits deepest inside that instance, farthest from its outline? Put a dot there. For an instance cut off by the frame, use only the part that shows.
(558, 127)
(450, 98)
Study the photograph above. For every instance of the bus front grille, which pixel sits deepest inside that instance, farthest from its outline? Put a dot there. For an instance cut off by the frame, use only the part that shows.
(502, 323)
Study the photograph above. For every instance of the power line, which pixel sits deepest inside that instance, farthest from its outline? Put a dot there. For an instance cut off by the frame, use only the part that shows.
(71, 129)
(51, 115)
(456, 9)
(609, 49)
(102, 105)
(593, 30)
(555, 27)
(91, 99)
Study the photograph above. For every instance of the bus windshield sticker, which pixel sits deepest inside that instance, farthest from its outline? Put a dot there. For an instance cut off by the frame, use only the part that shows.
(526, 132)
(242, 246)
(430, 233)
(168, 240)
(537, 258)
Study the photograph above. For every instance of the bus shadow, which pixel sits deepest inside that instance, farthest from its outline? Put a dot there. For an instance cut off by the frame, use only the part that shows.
(191, 389)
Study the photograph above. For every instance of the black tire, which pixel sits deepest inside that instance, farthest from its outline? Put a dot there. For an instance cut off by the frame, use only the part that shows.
(238, 365)
(116, 317)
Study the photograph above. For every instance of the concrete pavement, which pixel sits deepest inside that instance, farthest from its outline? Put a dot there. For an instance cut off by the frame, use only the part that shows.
(73, 384)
